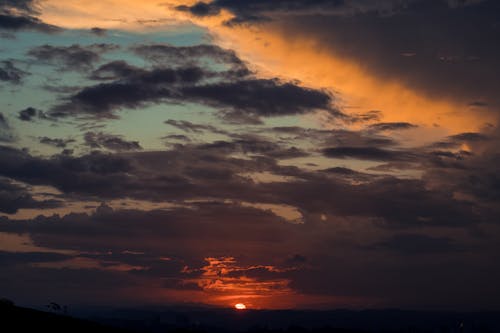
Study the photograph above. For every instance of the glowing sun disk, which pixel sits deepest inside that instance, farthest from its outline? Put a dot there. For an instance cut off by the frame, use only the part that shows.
(240, 306)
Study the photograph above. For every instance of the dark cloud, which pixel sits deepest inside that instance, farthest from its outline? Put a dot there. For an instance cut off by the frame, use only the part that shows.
(22, 5)
(241, 100)
(14, 197)
(180, 137)
(19, 258)
(391, 126)
(21, 15)
(200, 9)
(164, 54)
(30, 113)
(351, 175)
(55, 142)
(179, 225)
(475, 175)
(469, 137)
(448, 61)
(98, 31)
(251, 12)
(109, 141)
(250, 144)
(141, 88)
(455, 141)
(14, 22)
(117, 69)
(261, 97)
(10, 73)
(74, 57)
(188, 126)
(211, 170)
(6, 134)
(256, 10)
(90, 173)
(366, 153)
(418, 244)
(220, 229)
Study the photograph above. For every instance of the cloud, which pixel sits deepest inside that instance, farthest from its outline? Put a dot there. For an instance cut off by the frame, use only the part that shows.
(55, 142)
(87, 174)
(98, 31)
(109, 141)
(366, 153)
(21, 15)
(19, 258)
(74, 57)
(10, 73)
(211, 171)
(240, 99)
(165, 54)
(30, 113)
(261, 97)
(190, 127)
(418, 244)
(391, 126)
(114, 70)
(469, 137)
(200, 9)
(15, 23)
(223, 233)
(14, 197)
(6, 134)
(258, 11)
(443, 66)
(139, 89)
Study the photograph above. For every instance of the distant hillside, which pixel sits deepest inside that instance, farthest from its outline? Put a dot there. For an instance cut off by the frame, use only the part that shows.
(17, 319)
(210, 320)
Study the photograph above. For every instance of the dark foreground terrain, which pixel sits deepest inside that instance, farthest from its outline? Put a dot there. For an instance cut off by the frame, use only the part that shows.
(203, 320)
(17, 319)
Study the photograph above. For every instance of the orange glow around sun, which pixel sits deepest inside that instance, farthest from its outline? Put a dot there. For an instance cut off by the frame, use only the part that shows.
(240, 306)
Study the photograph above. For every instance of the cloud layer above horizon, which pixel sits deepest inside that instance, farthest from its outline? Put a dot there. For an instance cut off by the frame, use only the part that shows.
(283, 154)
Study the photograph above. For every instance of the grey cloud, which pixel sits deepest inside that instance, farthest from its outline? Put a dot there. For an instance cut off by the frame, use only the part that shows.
(6, 134)
(10, 73)
(55, 142)
(391, 126)
(21, 15)
(188, 126)
(109, 141)
(366, 153)
(74, 57)
(243, 99)
(14, 197)
(418, 244)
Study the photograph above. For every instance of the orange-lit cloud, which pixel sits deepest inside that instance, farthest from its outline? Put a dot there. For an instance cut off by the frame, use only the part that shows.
(274, 53)
(220, 283)
(358, 90)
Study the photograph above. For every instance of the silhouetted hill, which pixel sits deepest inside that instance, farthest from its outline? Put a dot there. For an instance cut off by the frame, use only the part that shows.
(213, 320)
(17, 319)
(208, 320)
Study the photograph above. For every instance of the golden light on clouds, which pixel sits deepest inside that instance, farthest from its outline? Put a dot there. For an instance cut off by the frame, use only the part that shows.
(274, 53)
(123, 14)
(357, 90)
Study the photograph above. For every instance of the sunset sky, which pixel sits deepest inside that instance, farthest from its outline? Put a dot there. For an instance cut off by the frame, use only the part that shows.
(277, 153)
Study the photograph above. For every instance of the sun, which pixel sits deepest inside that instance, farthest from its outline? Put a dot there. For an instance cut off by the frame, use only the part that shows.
(240, 306)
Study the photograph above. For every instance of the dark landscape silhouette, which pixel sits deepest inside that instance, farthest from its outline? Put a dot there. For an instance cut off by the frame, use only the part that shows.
(216, 320)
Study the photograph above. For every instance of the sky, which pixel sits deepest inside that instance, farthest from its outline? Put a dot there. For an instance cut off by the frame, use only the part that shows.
(284, 154)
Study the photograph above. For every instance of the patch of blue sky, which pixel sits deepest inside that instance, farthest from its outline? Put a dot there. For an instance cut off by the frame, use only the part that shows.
(147, 126)
(146, 122)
